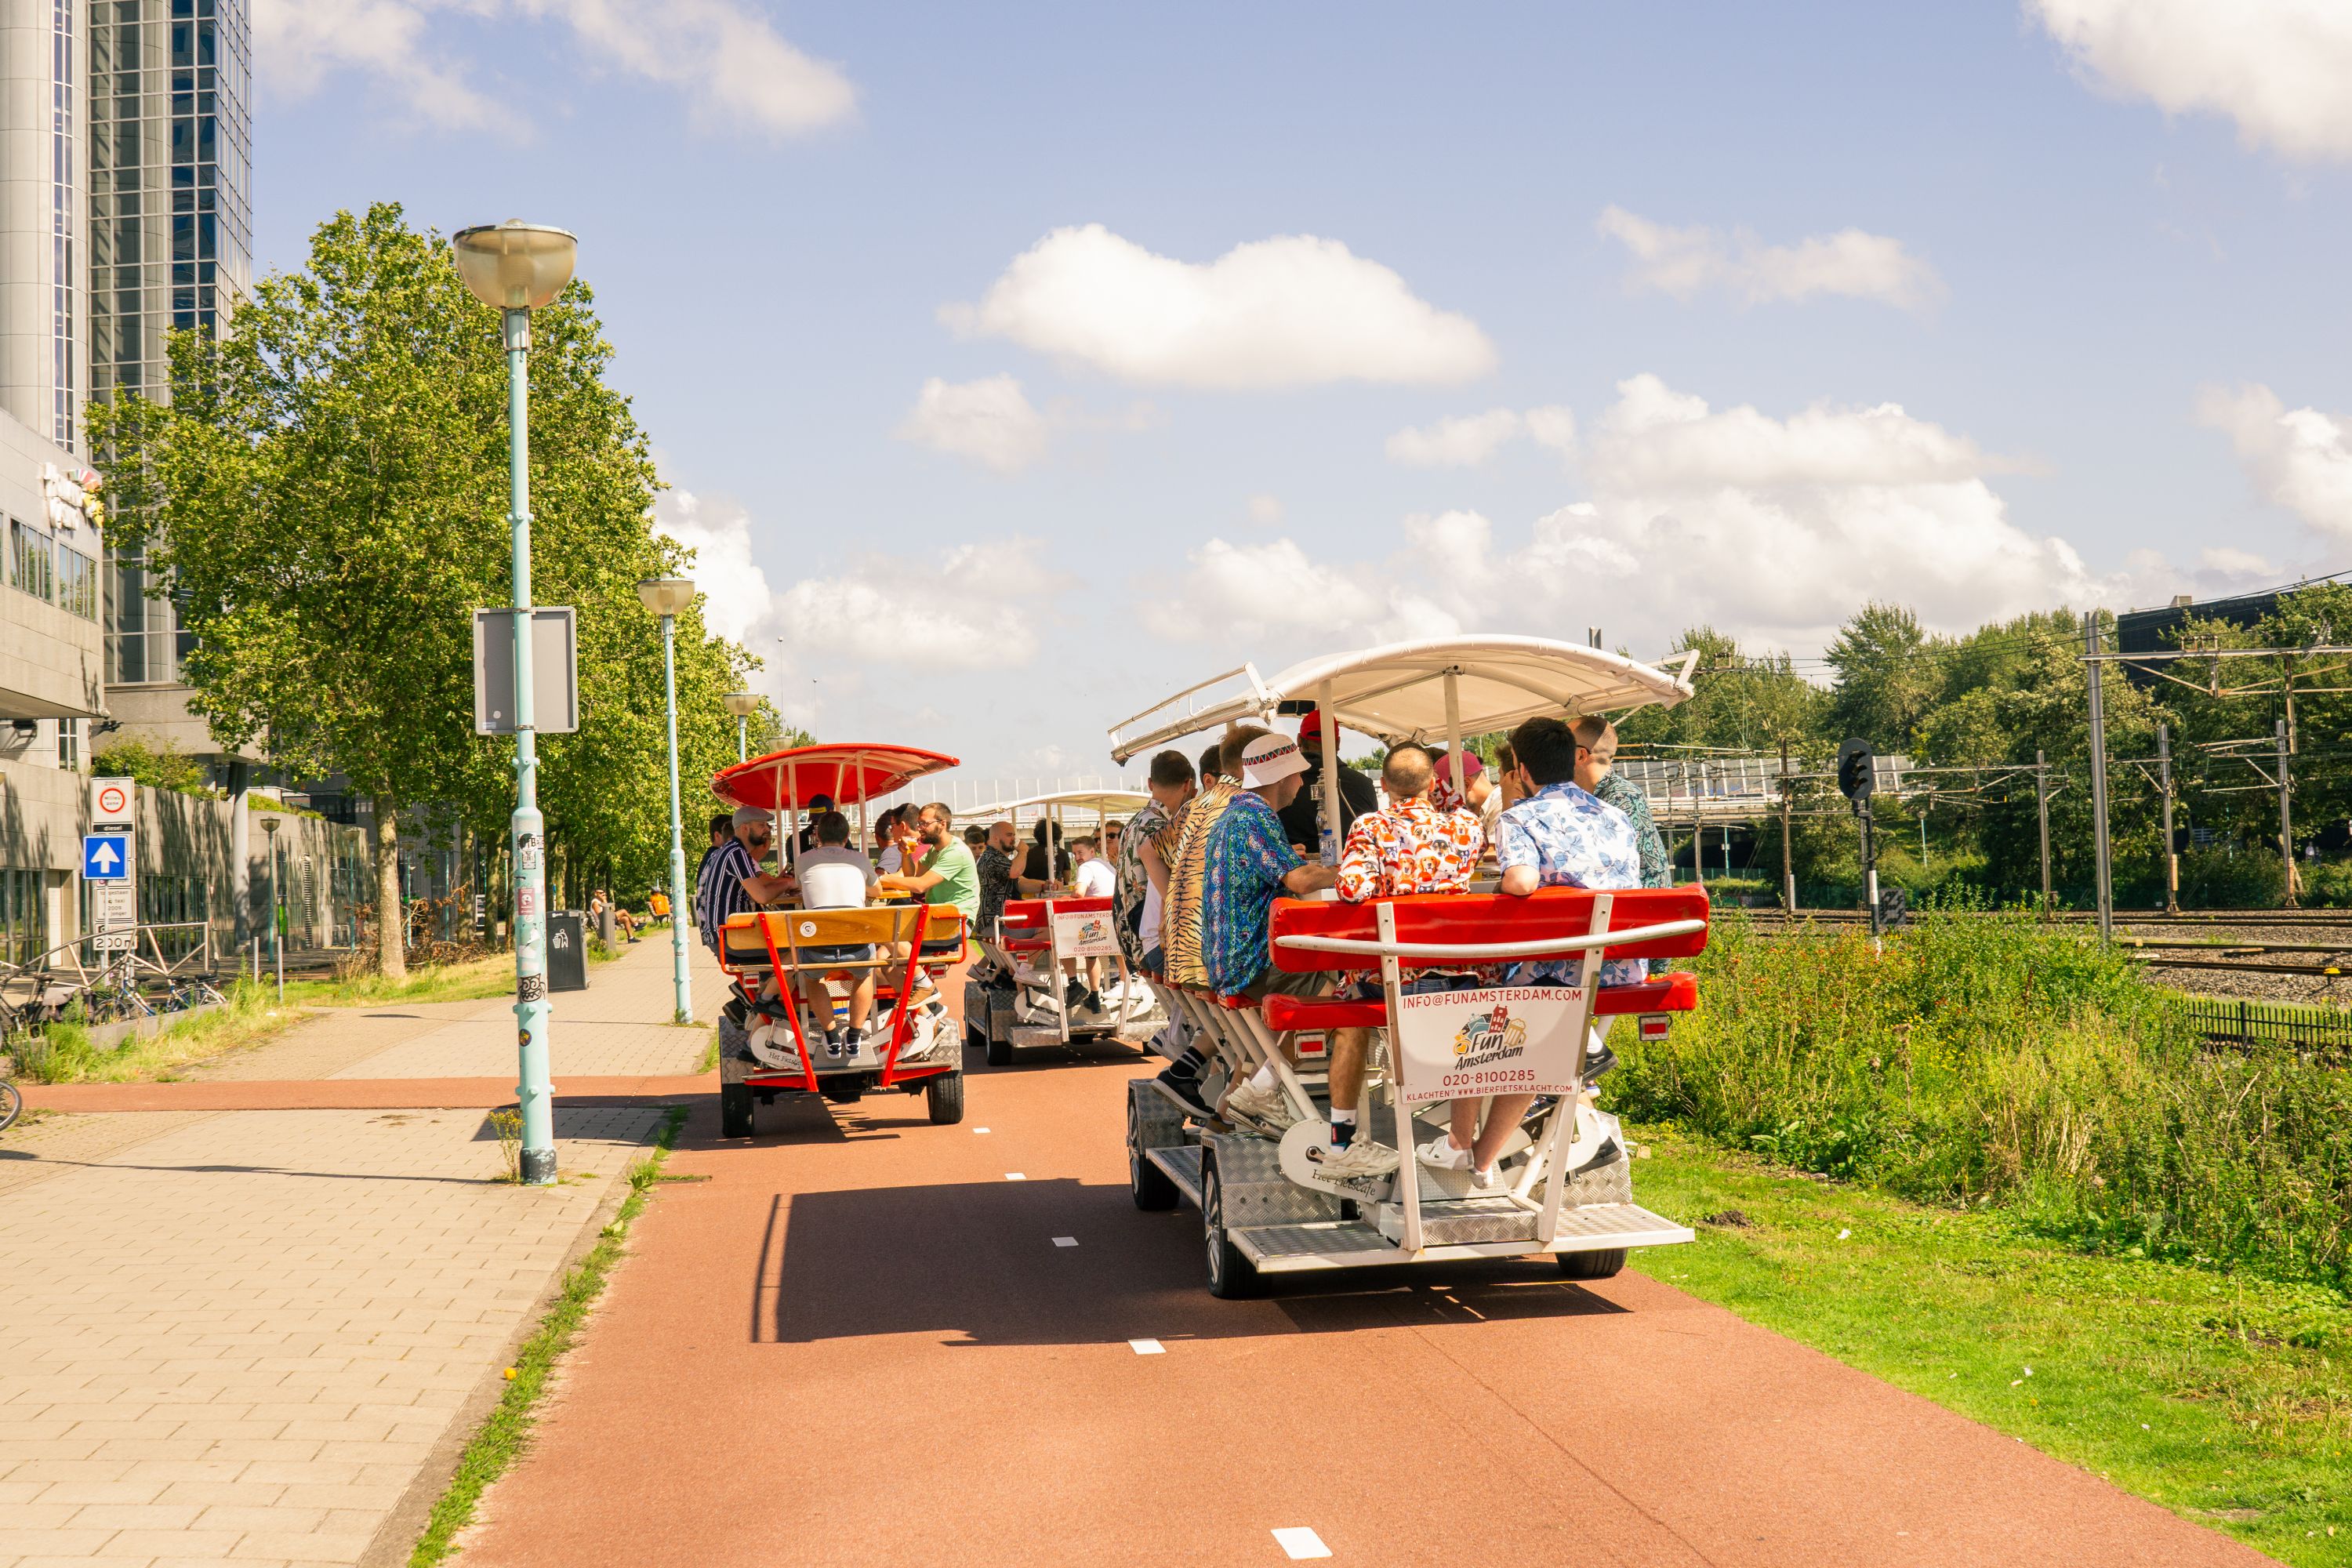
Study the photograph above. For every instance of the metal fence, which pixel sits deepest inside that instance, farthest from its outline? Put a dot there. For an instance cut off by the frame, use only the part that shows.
(2231, 1020)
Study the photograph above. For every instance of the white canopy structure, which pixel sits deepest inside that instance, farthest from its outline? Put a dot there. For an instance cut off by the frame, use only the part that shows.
(1439, 689)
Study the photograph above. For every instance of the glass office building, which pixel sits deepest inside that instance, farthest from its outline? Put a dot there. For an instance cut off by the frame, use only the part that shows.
(170, 232)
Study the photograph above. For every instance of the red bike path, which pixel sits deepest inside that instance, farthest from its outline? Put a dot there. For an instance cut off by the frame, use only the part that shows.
(852, 1339)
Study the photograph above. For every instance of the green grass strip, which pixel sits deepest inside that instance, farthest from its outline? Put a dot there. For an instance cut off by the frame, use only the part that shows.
(2222, 1396)
(505, 1435)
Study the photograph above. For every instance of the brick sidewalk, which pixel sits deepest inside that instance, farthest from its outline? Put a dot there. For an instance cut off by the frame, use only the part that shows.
(246, 1334)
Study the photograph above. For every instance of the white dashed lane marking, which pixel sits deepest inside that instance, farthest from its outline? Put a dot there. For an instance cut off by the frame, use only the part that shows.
(1147, 1347)
(1014, 1176)
(1066, 1241)
(1301, 1542)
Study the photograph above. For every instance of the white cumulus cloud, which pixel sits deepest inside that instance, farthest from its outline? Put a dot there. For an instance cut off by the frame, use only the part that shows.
(1850, 264)
(2277, 68)
(1468, 441)
(733, 66)
(1293, 310)
(1773, 529)
(865, 614)
(989, 421)
(735, 600)
(2299, 459)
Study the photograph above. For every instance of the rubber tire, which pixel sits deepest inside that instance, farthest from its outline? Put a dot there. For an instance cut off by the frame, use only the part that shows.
(943, 1097)
(735, 1110)
(12, 1105)
(1232, 1276)
(1603, 1265)
(974, 1038)
(1147, 1184)
(1000, 1052)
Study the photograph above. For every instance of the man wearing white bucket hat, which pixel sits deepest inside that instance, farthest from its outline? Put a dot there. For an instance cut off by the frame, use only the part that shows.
(1249, 864)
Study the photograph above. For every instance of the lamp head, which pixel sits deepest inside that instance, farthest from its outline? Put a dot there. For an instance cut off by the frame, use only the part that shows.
(270, 826)
(667, 595)
(743, 704)
(514, 265)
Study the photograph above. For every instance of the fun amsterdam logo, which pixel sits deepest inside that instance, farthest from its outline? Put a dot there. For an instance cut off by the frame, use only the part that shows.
(1489, 1036)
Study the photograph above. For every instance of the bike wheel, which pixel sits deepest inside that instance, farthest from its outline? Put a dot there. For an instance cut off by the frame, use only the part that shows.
(12, 1105)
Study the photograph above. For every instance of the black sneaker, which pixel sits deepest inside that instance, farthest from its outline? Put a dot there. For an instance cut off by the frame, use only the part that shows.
(1073, 994)
(1090, 1003)
(1187, 1090)
(852, 1042)
(1597, 1062)
(832, 1044)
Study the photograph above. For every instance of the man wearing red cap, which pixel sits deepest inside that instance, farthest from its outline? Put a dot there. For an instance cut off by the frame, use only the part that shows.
(1302, 819)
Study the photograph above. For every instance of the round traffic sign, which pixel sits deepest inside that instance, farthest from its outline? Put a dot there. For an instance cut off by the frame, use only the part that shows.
(113, 799)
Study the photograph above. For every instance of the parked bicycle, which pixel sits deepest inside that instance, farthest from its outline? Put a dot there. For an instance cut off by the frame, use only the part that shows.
(12, 1105)
(192, 992)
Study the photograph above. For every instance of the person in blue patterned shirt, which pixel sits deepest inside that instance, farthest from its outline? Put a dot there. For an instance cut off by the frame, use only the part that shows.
(1249, 864)
(1558, 836)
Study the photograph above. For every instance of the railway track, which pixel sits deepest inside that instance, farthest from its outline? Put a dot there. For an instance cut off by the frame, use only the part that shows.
(2218, 954)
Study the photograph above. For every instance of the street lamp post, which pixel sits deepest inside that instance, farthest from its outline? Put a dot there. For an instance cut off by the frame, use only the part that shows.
(515, 268)
(670, 597)
(743, 704)
(276, 928)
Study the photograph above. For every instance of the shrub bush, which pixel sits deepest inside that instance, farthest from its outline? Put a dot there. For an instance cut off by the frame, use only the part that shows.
(1995, 1058)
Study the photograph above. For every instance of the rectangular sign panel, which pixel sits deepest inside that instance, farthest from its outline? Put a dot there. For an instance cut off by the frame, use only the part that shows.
(105, 857)
(113, 802)
(554, 671)
(1510, 1039)
(114, 906)
(1088, 934)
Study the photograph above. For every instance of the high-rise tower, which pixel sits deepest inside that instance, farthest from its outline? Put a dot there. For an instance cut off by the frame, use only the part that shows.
(171, 213)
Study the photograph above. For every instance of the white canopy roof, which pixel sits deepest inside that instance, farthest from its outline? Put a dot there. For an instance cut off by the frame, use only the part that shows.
(1399, 691)
(1101, 802)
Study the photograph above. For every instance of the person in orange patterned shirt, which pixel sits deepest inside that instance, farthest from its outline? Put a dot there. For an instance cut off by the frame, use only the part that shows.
(1410, 846)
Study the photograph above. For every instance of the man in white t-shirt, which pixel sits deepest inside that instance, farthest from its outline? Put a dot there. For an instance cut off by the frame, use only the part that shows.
(1091, 877)
(832, 875)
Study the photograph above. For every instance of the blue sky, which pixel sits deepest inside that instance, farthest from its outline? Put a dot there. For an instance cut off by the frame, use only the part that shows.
(2093, 252)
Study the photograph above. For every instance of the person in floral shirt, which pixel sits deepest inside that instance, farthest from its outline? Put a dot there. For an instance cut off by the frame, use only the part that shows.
(1559, 835)
(1408, 846)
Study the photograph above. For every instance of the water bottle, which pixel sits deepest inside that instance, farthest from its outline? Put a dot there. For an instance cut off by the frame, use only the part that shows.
(1330, 844)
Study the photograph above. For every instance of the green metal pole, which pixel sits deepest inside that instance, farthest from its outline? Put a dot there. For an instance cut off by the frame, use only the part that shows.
(676, 827)
(740, 753)
(535, 1089)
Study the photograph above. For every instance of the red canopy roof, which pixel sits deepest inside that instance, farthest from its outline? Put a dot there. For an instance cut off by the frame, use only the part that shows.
(787, 780)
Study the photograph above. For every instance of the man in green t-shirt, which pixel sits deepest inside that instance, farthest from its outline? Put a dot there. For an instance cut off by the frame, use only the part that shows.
(946, 874)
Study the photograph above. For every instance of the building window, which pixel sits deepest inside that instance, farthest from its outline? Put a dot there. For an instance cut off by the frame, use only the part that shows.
(24, 916)
(63, 202)
(70, 744)
(77, 583)
(31, 563)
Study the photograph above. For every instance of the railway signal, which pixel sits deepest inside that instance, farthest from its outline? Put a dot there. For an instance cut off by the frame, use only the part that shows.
(1856, 768)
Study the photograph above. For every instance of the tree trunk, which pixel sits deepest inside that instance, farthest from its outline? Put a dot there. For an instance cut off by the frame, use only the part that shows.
(392, 911)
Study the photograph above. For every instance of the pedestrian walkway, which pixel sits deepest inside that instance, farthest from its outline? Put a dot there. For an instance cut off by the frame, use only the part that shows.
(263, 1335)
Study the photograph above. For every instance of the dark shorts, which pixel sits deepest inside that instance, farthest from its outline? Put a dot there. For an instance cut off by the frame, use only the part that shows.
(1281, 982)
(859, 953)
(1366, 987)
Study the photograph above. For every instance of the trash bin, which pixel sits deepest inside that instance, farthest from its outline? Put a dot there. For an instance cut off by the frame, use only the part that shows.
(567, 951)
(608, 927)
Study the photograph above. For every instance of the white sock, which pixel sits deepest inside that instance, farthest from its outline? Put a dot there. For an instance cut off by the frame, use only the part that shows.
(1264, 1078)
(1339, 1117)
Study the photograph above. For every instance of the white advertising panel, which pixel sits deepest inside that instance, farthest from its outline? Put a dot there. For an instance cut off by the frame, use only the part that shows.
(1086, 934)
(1511, 1039)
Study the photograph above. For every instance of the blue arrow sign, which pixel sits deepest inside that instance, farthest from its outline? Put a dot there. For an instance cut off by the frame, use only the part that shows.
(105, 857)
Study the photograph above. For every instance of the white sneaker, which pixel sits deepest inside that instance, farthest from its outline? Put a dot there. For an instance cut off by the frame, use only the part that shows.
(1362, 1157)
(1441, 1154)
(1269, 1107)
(1487, 1179)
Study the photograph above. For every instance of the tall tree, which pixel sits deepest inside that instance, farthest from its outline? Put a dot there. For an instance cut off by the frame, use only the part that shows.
(327, 493)
(1885, 676)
